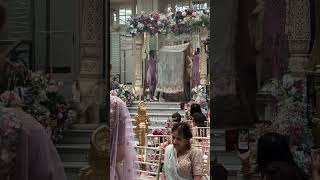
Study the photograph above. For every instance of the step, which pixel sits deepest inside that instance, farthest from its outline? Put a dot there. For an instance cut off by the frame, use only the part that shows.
(77, 136)
(156, 116)
(218, 138)
(72, 169)
(73, 152)
(154, 122)
(167, 110)
(158, 104)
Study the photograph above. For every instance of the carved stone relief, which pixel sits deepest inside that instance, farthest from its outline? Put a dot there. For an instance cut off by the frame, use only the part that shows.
(299, 34)
(91, 61)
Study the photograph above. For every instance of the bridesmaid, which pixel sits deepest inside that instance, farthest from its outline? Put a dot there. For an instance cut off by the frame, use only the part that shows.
(26, 150)
(196, 69)
(152, 75)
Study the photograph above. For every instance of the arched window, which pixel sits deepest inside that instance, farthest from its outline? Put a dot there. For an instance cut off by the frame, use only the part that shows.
(124, 14)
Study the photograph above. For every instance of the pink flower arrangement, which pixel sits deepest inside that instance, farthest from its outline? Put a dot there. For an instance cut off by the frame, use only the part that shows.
(296, 131)
(178, 23)
(10, 99)
(157, 132)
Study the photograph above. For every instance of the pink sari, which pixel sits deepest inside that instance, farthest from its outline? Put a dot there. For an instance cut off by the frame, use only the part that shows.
(123, 154)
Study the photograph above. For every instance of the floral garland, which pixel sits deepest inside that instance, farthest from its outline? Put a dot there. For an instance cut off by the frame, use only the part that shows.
(124, 93)
(179, 23)
(44, 102)
(41, 98)
(290, 118)
(200, 96)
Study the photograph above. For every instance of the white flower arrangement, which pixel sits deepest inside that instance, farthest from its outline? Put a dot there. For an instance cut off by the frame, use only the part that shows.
(124, 93)
(290, 118)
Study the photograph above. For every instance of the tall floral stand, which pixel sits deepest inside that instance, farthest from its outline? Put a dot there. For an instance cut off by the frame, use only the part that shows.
(138, 55)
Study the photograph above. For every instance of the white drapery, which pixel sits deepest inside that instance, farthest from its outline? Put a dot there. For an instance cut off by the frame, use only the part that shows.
(171, 69)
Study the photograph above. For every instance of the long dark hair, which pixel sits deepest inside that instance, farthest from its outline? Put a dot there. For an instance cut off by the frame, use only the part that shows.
(183, 129)
(195, 108)
(273, 147)
(282, 170)
(199, 119)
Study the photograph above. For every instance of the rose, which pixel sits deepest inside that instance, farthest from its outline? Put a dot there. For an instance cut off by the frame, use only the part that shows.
(194, 14)
(10, 99)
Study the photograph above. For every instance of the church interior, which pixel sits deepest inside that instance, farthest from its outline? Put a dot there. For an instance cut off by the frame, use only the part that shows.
(211, 76)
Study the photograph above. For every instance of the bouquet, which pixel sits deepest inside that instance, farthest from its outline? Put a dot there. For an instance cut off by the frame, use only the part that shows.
(40, 96)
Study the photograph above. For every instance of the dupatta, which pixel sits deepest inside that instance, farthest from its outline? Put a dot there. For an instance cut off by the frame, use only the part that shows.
(170, 165)
(123, 155)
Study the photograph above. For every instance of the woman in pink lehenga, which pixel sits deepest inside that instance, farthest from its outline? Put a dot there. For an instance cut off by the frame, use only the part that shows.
(123, 154)
(26, 150)
(196, 69)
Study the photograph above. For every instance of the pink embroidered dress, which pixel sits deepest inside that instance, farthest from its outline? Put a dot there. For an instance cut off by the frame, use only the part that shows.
(26, 151)
(123, 154)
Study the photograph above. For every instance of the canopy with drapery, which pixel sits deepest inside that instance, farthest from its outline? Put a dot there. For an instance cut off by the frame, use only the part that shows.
(171, 69)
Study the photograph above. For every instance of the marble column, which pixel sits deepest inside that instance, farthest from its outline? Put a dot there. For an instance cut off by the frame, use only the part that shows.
(204, 57)
(299, 35)
(137, 53)
(91, 81)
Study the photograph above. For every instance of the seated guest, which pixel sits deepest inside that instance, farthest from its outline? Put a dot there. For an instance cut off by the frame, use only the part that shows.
(176, 117)
(218, 172)
(181, 160)
(195, 108)
(199, 120)
(272, 148)
(282, 170)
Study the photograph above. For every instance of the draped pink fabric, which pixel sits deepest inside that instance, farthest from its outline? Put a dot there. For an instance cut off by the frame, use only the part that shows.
(196, 71)
(36, 156)
(123, 154)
